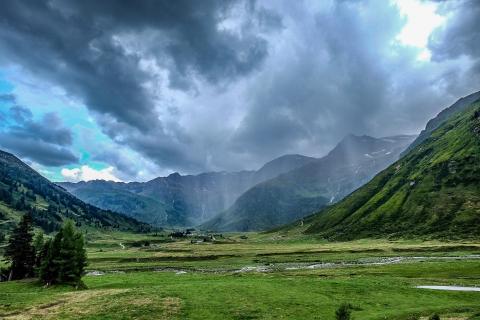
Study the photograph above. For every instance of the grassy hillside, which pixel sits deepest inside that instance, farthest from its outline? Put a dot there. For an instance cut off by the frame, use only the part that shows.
(460, 105)
(23, 190)
(119, 199)
(433, 191)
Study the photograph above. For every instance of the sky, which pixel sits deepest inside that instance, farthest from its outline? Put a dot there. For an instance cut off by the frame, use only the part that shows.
(132, 90)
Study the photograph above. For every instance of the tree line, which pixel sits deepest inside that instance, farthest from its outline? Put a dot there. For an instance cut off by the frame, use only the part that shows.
(61, 259)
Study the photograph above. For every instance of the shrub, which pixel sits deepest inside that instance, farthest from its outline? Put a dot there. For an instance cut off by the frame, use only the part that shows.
(344, 312)
(434, 316)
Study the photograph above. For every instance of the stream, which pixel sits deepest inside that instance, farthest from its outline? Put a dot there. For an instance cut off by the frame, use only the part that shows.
(287, 266)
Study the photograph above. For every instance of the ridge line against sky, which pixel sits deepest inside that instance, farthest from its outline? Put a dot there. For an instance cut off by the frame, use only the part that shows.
(128, 91)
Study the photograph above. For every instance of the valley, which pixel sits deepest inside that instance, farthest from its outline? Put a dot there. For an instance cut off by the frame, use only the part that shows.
(404, 245)
(239, 160)
(256, 276)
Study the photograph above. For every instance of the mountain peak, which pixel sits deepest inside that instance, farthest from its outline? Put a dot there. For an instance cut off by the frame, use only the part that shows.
(282, 165)
(353, 137)
(414, 196)
(174, 175)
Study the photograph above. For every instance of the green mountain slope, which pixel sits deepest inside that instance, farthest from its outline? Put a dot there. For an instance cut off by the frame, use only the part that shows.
(460, 105)
(290, 196)
(23, 190)
(433, 191)
(179, 200)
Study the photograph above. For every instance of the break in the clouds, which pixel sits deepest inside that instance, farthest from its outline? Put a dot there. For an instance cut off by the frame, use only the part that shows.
(223, 85)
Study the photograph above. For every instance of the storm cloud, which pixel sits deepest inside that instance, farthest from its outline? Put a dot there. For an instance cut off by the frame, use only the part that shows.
(45, 141)
(460, 38)
(84, 46)
(191, 86)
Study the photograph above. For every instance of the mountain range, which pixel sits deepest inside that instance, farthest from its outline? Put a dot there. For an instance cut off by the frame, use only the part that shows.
(176, 200)
(432, 191)
(424, 186)
(281, 191)
(299, 192)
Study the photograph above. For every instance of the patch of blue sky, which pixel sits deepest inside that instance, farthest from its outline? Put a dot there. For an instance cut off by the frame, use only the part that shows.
(5, 86)
(42, 98)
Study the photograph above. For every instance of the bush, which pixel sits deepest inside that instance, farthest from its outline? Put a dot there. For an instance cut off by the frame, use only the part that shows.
(434, 316)
(344, 312)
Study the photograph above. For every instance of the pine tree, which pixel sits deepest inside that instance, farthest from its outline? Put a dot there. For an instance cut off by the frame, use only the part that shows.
(49, 266)
(64, 259)
(38, 243)
(67, 258)
(20, 252)
(80, 257)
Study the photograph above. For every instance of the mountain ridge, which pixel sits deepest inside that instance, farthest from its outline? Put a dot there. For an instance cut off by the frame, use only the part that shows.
(179, 200)
(433, 191)
(304, 190)
(443, 116)
(23, 190)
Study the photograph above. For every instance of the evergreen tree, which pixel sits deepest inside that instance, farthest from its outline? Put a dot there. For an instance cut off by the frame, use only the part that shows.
(64, 259)
(80, 256)
(38, 244)
(20, 252)
(67, 259)
(49, 266)
(47, 271)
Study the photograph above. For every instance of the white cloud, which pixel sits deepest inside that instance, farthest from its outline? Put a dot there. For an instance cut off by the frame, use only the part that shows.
(86, 173)
(421, 20)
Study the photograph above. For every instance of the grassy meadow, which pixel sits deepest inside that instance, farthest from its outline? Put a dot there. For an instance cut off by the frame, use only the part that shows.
(256, 276)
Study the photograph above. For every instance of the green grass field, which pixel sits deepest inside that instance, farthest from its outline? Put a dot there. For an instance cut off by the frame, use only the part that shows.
(262, 277)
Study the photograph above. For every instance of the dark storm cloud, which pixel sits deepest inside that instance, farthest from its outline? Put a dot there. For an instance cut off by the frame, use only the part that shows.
(41, 152)
(49, 129)
(90, 48)
(335, 81)
(460, 37)
(173, 149)
(202, 85)
(345, 74)
(45, 141)
(76, 45)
